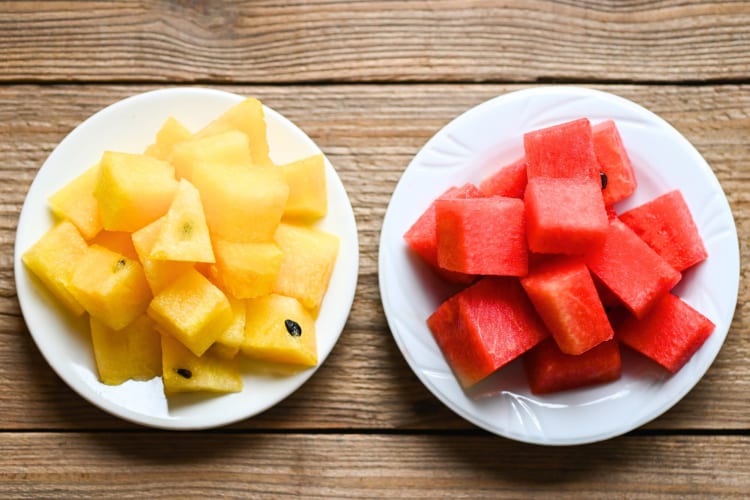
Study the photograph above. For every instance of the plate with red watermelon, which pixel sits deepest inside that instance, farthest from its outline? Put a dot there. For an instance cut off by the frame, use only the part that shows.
(559, 265)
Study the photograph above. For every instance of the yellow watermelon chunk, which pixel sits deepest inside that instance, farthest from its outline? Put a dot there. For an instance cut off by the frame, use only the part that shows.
(133, 353)
(172, 132)
(76, 202)
(110, 286)
(247, 116)
(193, 310)
(247, 270)
(159, 273)
(278, 329)
(228, 148)
(309, 258)
(308, 198)
(183, 371)
(241, 204)
(184, 232)
(54, 258)
(133, 190)
(228, 343)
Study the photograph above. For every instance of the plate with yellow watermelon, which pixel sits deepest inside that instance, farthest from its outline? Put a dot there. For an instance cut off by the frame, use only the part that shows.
(186, 258)
(559, 265)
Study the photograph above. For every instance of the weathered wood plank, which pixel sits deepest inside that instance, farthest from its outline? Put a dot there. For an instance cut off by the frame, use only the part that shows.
(375, 40)
(169, 465)
(370, 133)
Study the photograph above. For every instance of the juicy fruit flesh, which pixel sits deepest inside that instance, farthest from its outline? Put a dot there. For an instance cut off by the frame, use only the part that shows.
(631, 269)
(562, 151)
(482, 236)
(280, 329)
(133, 353)
(551, 370)
(133, 190)
(614, 162)
(669, 334)
(564, 215)
(193, 310)
(666, 225)
(307, 265)
(76, 202)
(111, 287)
(566, 298)
(54, 258)
(484, 327)
(235, 208)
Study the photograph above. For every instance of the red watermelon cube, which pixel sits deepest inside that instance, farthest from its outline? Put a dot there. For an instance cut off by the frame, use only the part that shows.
(482, 236)
(614, 163)
(421, 237)
(484, 327)
(565, 297)
(548, 369)
(564, 215)
(628, 267)
(562, 151)
(666, 225)
(509, 180)
(669, 334)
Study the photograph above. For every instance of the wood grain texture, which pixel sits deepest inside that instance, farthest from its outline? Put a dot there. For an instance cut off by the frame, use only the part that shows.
(366, 466)
(370, 133)
(375, 40)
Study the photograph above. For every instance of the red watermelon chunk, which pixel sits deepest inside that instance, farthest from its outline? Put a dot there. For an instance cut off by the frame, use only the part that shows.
(548, 369)
(565, 297)
(562, 151)
(564, 215)
(482, 236)
(614, 162)
(484, 327)
(422, 235)
(666, 224)
(669, 334)
(509, 181)
(634, 272)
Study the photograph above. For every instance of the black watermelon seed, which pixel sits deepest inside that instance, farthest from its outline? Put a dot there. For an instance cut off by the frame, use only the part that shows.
(604, 179)
(293, 328)
(120, 264)
(184, 372)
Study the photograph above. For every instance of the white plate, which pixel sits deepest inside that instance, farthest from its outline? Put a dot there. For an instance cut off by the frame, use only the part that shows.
(130, 125)
(467, 150)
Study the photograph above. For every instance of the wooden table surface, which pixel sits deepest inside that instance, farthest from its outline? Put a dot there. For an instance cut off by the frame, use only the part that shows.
(370, 81)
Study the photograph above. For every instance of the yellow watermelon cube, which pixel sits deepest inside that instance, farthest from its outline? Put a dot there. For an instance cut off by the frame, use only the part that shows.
(171, 133)
(248, 117)
(183, 371)
(133, 353)
(229, 148)
(54, 258)
(309, 258)
(247, 270)
(159, 273)
(280, 330)
(308, 198)
(133, 190)
(241, 204)
(193, 310)
(117, 241)
(184, 233)
(111, 287)
(228, 343)
(76, 202)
